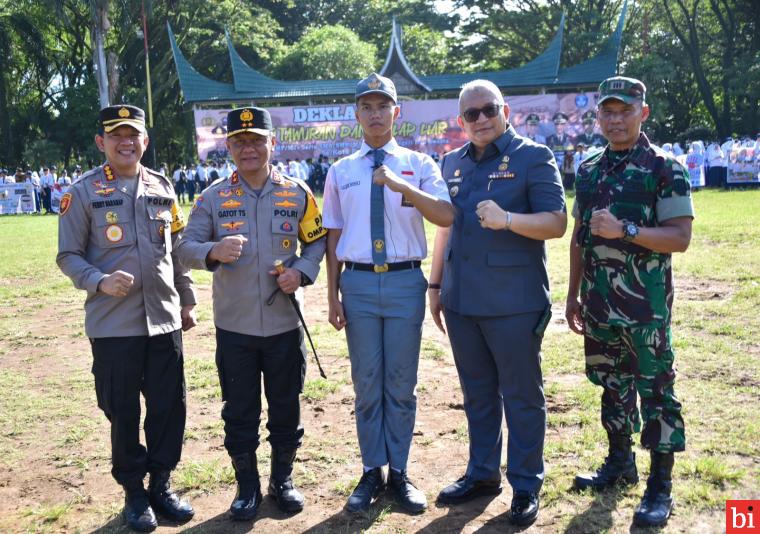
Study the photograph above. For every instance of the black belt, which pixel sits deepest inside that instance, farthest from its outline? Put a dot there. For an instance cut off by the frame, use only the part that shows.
(388, 267)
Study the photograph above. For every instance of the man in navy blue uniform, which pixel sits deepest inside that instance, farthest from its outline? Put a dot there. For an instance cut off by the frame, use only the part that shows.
(489, 279)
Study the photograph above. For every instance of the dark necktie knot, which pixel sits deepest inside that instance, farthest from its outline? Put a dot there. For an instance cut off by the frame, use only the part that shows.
(378, 156)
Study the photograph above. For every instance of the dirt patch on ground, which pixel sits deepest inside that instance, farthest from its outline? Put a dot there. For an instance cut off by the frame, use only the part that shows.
(55, 465)
(695, 289)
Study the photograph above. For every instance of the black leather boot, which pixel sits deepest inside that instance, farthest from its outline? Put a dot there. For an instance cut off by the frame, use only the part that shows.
(657, 503)
(248, 496)
(618, 467)
(137, 511)
(165, 501)
(281, 487)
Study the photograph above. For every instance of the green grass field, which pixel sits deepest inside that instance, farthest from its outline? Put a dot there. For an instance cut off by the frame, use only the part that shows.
(50, 429)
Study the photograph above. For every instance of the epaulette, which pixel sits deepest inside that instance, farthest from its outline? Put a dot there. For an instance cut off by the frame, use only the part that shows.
(87, 174)
(218, 180)
(279, 178)
(159, 176)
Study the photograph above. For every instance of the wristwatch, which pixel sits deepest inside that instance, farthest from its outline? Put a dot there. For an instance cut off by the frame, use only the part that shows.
(630, 231)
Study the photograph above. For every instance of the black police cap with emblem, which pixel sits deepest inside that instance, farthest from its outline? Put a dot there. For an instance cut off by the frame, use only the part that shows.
(533, 118)
(122, 115)
(628, 90)
(588, 117)
(559, 118)
(374, 83)
(254, 120)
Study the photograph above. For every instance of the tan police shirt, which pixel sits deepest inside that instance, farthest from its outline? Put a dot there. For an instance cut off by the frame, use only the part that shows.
(283, 214)
(106, 226)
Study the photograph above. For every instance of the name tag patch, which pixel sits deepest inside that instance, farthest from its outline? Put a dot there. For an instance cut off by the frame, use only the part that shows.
(107, 203)
(349, 184)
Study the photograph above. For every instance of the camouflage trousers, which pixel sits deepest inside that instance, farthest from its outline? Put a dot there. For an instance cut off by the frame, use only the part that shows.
(630, 361)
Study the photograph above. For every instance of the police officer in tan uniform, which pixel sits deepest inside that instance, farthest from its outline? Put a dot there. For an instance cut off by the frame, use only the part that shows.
(117, 228)
(238, 228)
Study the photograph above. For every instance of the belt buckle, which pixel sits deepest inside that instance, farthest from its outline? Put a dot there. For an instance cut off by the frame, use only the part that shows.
(380, 268)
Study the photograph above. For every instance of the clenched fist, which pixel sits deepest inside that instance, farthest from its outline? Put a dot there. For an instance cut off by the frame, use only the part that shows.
(116, 284)
(228, 250)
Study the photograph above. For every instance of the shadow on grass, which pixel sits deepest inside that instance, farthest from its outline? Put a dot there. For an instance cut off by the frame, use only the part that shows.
(457, 516)
(347, 523)
(598, 516)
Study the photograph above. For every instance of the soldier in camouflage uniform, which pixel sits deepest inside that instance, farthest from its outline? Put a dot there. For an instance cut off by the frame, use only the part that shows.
(633, 209)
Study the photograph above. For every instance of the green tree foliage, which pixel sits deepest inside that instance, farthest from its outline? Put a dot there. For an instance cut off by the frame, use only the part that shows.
(427, 50)
(325, 53)
(699, 58)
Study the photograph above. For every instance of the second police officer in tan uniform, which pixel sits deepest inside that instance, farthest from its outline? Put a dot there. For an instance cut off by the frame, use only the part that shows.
(238, 228)
(117, 228)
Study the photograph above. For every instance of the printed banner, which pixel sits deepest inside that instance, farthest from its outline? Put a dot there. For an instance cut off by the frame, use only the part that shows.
(743, 165)
(16, 198)
(428, 126)
(56, 195)
(696, 164)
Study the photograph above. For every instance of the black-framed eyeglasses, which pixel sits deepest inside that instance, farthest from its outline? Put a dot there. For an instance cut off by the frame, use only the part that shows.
(490, 111)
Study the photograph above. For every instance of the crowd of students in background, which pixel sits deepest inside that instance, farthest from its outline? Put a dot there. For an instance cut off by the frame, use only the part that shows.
(191, 180)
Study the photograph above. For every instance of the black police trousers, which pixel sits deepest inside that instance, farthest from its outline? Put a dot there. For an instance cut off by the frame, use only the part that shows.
(241, 361)
(124, 367)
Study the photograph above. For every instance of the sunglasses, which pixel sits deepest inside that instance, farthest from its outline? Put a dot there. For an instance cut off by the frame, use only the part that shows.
(490, 111)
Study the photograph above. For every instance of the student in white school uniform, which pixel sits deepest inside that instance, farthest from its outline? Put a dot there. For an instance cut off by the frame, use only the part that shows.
(374, 204)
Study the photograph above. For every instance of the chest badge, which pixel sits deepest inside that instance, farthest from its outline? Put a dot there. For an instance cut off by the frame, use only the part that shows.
(232, 226)
(505, 159)
(114, 233)
(286, 204)
(285, 244)
(112, 217)
(105, 192)
(503, 167)
(285, 193)
(231, 204)
(454, 191)
(458, 172)
(286, 227)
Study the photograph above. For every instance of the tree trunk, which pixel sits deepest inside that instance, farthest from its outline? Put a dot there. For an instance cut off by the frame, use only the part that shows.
(99, 28)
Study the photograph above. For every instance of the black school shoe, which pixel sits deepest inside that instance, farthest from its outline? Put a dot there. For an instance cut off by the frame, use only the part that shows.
(524, 509)
(370, 486)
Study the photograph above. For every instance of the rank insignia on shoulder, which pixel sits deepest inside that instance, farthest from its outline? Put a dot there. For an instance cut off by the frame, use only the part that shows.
(379, 245)
(285, 243)
(114, 233)
(112, 217)
(454, 191)
(108, 171)
(65, 203)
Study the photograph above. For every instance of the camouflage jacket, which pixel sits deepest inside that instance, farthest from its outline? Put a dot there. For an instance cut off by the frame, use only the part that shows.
(625, 284)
